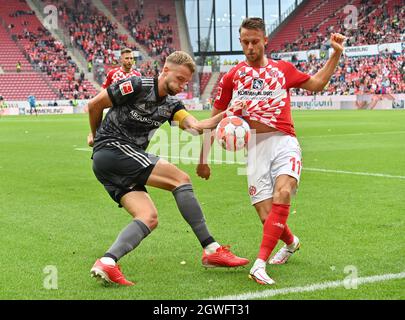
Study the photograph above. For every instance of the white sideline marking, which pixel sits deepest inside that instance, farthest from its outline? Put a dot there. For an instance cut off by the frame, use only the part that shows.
(213, 161)
(352, 134)
(84, 149)
(370, 174)
(310, 288)
(196, 142)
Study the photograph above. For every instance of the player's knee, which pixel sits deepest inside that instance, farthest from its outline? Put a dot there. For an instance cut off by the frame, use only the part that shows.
(283, 195)
(152, 220)
(183, 178)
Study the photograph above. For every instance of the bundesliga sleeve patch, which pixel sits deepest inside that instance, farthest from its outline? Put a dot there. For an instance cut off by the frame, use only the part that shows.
(126, 87)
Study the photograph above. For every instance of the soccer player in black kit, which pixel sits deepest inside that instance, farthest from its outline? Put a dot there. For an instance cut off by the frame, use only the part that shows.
(138, 107)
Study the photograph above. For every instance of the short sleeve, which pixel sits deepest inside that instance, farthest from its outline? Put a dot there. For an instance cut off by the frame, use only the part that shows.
(123, 91)
(107, 81)
(224, 93)
(294, 77)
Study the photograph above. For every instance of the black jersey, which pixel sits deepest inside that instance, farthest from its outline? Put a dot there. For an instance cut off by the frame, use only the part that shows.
(136, 113)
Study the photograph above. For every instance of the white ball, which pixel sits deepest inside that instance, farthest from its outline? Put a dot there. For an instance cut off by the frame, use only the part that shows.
(232, 133)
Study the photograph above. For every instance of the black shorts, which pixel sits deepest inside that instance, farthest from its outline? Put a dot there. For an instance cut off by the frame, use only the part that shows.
(123, 168)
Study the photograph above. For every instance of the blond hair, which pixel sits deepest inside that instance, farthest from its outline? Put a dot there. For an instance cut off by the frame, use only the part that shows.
(183, 59)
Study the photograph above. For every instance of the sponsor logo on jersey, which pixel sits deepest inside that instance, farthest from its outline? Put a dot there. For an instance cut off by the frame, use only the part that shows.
(257, 84)
(164, 111)
(273, 73)
(261, 95)
(126, 87)
(134, 115)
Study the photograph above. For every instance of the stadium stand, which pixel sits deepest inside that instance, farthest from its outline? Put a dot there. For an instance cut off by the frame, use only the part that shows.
(15, 86)
(378, 22)
(96, 36)
(215, 87)
(90, 30)
(376, 74)
(11, 53)
(52, 71)
(204, 79)
(150, 23)
(154, 26)
(311, 25)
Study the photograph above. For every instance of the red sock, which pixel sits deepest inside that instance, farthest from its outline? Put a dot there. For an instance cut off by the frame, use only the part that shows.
(273, 228)
(287, 236)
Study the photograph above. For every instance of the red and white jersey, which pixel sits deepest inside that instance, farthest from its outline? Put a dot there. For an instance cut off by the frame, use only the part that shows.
(265, 91)
(118, 74)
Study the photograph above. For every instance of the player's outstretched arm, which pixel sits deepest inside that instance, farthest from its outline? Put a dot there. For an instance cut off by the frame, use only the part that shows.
(96, 106)
(322, 77)
(196, 127)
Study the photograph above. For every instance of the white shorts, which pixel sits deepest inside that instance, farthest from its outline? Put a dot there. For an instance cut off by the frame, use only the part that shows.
(273, 154)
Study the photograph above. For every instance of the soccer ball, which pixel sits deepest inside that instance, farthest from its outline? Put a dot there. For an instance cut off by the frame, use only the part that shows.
(232, 133)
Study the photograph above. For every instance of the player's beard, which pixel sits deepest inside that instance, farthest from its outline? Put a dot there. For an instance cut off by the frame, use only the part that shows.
(255, 56)
(170, 91)
(252, 57)
(127, 68)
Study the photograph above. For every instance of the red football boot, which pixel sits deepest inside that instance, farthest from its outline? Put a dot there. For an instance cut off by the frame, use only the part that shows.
(109, 274)
(223, 257)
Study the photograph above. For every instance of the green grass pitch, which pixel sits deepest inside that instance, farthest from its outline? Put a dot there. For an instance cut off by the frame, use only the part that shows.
(54, 215)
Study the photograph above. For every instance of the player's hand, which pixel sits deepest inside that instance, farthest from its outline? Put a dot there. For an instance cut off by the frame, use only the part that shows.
(238, 108)
(336, 41)
(90, 139)
(203, 171)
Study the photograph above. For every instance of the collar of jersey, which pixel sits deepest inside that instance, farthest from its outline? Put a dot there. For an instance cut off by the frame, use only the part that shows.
(156, 88)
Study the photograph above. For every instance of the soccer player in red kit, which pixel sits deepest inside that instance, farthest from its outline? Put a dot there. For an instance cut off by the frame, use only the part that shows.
(258, 90)
(123, 72)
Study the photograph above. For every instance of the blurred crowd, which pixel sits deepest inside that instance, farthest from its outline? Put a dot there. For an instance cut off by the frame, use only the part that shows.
(49, 56)
(375, 25)
(380, 74)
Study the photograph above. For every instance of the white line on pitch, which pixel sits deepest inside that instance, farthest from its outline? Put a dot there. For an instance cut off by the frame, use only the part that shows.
(311, 287)
(353, 134)
(213, 161)
(369, 174)
(84, 149)
(197, 142)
